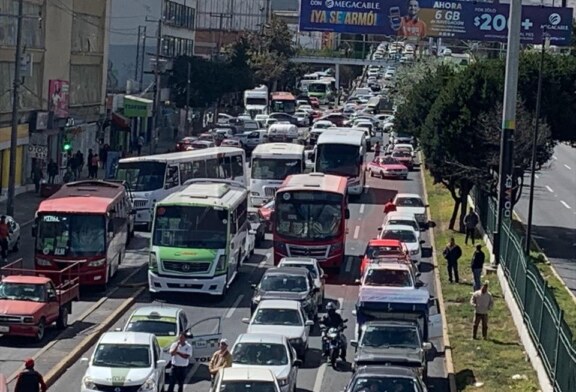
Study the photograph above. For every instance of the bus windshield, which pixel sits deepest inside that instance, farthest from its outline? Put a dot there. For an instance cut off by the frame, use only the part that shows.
(191, 227)
(256, 101)
(71, 235)
(275, 169)
(317, 88)
(280, 106)
(338, 159)
(309, 215)
(142, 176)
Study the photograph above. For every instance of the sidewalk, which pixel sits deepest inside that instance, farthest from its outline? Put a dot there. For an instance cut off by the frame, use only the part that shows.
(25, 206)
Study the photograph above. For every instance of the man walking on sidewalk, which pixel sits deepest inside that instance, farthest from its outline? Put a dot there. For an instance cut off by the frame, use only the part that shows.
(4, 234)
(483, 302)
(452, 253)
(471, 220)
(477, 265)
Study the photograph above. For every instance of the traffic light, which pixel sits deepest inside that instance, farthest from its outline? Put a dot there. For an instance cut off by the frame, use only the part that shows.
(66, 145)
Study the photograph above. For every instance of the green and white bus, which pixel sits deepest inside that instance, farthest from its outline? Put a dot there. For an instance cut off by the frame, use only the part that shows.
(199, 238)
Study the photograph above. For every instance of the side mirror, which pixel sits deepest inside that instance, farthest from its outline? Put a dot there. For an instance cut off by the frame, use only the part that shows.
(419, 284)
(297, 363)
(34, 231)
(161, 363)
(309, 323)
(422, 242)
(246, 320)
(427, 205)
(84, 360)
(347, 214)
(253, 286)
(354, 343)
(379, 228)
(426, 346)
(418, 274)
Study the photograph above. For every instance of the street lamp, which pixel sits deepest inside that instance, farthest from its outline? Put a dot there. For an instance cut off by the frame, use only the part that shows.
(545, 43)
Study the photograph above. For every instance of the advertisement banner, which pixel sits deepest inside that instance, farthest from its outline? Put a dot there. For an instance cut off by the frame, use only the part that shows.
(59, 92)
(428, 18)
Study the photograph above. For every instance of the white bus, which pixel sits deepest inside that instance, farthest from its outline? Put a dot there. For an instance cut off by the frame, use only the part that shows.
(271, 164)
(151, 178)
(342, 152)
(199, 238)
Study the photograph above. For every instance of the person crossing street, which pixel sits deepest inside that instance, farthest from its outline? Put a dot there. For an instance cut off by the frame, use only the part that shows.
(181, 351)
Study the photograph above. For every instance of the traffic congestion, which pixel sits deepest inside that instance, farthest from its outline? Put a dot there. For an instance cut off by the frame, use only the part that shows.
(286, 249)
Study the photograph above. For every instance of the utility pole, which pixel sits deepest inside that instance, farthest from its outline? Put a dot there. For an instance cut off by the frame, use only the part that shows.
(15, 99)
(142, 58)
(506, 180)
(157, 110)
(188, 82)
(137, 63)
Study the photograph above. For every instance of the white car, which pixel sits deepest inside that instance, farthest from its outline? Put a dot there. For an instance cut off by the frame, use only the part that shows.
(282, 317)
(402, 218)
(268, 351)
(305, 108)
(405, 234)
(412, 203)
(125, 360)
(406, 147)
(311, 265)
(247, 378)
(303, 118)
(323, 124)
(261, 119)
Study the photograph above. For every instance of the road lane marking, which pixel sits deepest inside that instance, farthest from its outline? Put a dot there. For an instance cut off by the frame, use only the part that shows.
(549, 189)
(319, 378)
(234, 306)
(567, 167)
(565, 204)
(348, 266)
(356, 232)
(340, 303)
(537, 176)
(362, 208)
(190, 376)
(554, 157)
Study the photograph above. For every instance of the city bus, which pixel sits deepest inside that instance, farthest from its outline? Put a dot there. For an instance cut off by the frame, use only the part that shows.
(271, 164)
(87, 222)
(151, 178)
(309, 219)
(323, 89)
(199, 238)
(283, 102)
(342, 152)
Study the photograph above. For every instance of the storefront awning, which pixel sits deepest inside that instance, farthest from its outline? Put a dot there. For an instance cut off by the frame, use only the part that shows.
(120, 121)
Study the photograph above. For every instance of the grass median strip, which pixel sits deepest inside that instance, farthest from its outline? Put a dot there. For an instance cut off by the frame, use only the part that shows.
(498, 363)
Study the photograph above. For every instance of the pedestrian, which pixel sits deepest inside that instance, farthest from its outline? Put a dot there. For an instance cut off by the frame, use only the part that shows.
(94, 164)
(52, 171)
(452, 253)
(79, 163)
(181, 351)
(4, 236)
(29, 380)
(37, 176)
(220, 359)
(477, 265)
(89, 163)
(482, 302)
(140, 144)
(376, 150)
(389, 206)
(470, 222)
(73, 164)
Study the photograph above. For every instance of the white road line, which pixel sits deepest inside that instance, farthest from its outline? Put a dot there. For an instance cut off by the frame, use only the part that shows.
(233, 308)
(554, 157)
(189, 377)
(565, 204)
(537, 176)
(549, 189)
(362, 208)
(340, 303)
(356, 232)
(348, 266)
(319, 378)
(567, 167)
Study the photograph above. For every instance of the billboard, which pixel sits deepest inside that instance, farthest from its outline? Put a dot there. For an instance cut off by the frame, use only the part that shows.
(59, 92)
(429, 18)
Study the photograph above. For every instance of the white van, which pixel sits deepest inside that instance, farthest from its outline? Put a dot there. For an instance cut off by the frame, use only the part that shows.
(282, 132)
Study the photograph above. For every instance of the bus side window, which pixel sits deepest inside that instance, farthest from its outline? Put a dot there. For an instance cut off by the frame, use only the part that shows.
(233, 223)
(212, 168)
(172, 177)
(186, 172)
(226, 168)
(237, 166)
(199, 169)
(242, 214)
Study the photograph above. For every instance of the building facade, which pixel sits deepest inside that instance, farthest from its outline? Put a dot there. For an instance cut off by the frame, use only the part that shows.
(64, 46)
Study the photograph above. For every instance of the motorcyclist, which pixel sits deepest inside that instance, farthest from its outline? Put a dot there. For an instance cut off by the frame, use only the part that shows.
(334, 320)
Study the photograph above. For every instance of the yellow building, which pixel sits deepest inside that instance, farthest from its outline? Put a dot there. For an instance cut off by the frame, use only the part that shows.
(23, 141)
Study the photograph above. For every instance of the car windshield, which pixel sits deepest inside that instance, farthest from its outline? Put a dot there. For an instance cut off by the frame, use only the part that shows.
(22, 292)
(339, 159)
(142, 176)
(390, 336)
(402, 154)
(323, 125)
(317, 88)
(289, 317)
(275, 169)
(374, 252)
(403, 222)
(385, 384)
(389, 161)
(388, 277)
(190, 227)
(309, 267)
(409, 202)
(400, 235)
(122, 356)
(260, 354)
(285, 283)
(309, 215)
(155, 327)
(71, 235)
(247, 386)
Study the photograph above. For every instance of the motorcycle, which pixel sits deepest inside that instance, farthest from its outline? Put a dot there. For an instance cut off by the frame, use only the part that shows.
(333, 343)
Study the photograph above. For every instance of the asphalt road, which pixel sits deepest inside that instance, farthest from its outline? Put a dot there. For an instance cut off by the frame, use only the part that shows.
(554, 214)
(314, 376)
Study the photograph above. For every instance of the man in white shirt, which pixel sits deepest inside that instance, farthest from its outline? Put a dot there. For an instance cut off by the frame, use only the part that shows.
(181, 351)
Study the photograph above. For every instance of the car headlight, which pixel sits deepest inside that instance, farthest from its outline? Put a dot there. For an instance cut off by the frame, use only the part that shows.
(152, 262)
(283, 382)
(254, 194)
(414, 252)
(97, 263)
(221, 264)
(43, 262)
(88, 383)
(28, 320)
(296, 342)
(149, 385)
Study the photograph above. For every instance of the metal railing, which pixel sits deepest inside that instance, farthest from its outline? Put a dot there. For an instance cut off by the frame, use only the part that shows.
(541, 313)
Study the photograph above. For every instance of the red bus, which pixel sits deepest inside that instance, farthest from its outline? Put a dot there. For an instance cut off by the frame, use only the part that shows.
(309, 219)
(283, 102)
(89, 222)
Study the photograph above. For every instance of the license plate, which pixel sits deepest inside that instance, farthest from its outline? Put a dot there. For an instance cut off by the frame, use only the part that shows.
(200, 343)
(4, 329)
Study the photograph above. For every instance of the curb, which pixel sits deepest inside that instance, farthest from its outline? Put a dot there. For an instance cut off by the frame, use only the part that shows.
(85, 344)
(445, 338)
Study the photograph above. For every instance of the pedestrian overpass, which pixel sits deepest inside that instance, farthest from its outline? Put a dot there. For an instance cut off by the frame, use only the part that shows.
(337, 60)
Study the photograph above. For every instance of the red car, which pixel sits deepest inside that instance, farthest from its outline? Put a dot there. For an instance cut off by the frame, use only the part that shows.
(265, 213)
(388, 167)
(314, 102)
(184, 144)
(384, 249)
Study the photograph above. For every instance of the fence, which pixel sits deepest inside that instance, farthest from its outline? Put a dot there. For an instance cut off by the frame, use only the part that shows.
(541, 313)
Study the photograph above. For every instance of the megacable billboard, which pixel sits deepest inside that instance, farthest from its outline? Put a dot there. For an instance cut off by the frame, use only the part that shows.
(428, 18)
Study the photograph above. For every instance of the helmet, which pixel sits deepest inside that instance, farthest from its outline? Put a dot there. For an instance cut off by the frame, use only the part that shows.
(330, 306)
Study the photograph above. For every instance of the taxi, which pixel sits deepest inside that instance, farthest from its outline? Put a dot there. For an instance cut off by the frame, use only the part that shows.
(379, 249)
